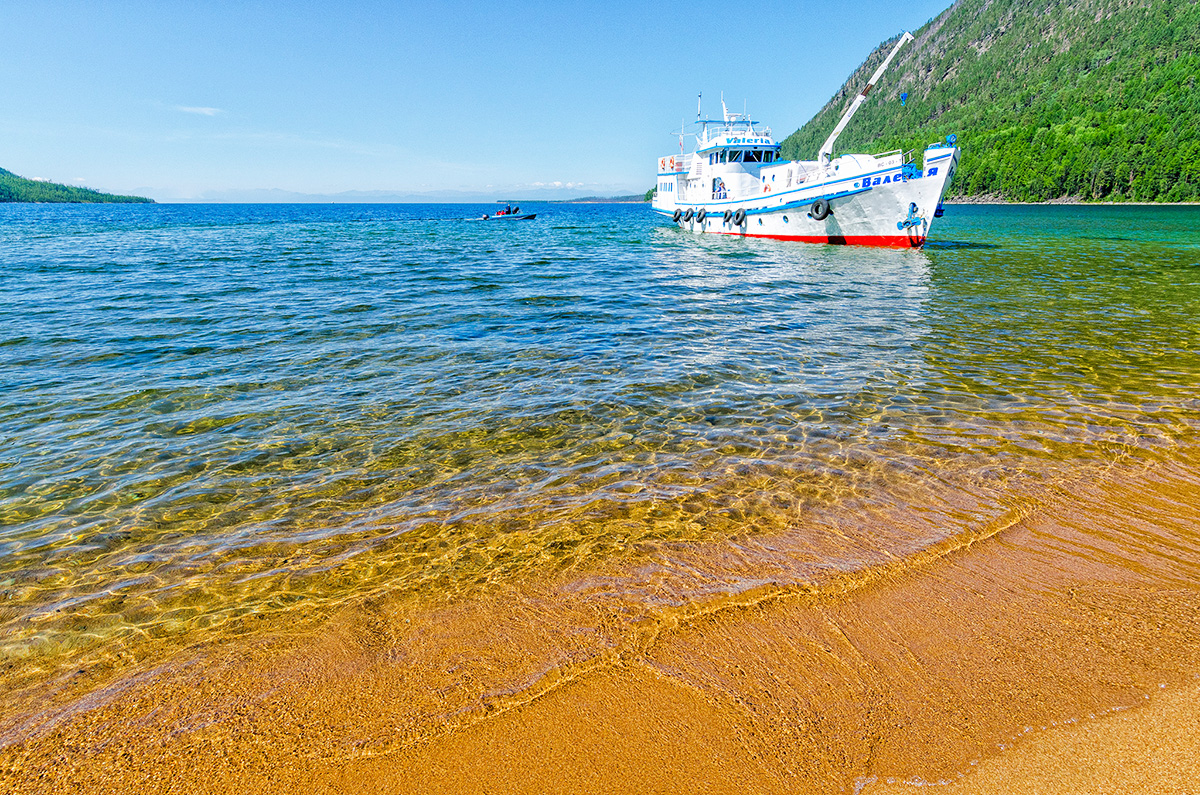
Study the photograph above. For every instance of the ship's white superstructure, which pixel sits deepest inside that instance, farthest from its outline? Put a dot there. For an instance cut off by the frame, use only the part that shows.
(735, 183)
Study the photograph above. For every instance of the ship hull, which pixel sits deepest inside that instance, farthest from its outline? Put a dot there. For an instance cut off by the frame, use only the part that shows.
(894, 209)
(877, 241)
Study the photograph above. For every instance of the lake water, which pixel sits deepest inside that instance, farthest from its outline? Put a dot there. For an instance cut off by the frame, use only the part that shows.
(215, 419)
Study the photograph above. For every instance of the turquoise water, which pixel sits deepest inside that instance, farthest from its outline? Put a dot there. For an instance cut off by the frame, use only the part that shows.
(214, 412)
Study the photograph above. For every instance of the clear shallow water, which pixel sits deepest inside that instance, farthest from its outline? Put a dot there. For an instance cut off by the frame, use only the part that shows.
(217, 412)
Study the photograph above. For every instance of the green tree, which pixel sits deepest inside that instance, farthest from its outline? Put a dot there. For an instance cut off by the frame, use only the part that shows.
(1094, 99)
(19, 189)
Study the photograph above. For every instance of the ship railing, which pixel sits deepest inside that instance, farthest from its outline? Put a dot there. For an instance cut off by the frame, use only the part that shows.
(682, 162)
(805, 174)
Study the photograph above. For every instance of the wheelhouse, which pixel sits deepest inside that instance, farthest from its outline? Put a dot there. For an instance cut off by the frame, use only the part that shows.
(758, 155)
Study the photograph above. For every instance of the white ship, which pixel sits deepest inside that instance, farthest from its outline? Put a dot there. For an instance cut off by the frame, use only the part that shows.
(734, 183)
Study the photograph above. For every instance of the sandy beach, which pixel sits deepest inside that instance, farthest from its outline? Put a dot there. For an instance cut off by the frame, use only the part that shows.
(1057, 649)
(1147, 748)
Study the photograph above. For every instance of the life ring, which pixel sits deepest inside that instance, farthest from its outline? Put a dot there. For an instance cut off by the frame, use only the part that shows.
(728, 216)
(820, 210)
(739, 217)
(700, 216)
(677, 215)
(688, 215)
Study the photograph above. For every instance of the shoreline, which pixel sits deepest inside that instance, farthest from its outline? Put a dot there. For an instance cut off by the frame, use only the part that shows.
(1147, 748)
(924, 670)
(922, 677)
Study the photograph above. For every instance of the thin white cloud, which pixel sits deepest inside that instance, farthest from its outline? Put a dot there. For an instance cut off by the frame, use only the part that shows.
(199, 111)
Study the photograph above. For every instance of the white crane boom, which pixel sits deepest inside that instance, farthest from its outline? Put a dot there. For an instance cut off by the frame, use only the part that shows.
(827, 147)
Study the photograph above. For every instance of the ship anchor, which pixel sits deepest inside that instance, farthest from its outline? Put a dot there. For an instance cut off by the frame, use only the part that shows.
(912, 220)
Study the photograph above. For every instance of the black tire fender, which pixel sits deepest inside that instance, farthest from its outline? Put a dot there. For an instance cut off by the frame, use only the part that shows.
(677, 215)
(820, 210)
(728, 216)
(688, 215)
(739, 217)
(700, 216)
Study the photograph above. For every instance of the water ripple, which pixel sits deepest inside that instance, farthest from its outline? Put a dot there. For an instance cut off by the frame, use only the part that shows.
(214, 412)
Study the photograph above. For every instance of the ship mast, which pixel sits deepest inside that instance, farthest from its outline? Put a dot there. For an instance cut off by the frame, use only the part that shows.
(827, 147)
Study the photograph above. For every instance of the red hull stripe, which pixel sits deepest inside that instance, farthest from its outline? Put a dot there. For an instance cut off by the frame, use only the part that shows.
(883, 241)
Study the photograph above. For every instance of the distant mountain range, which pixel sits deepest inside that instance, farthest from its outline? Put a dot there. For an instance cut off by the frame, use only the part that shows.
(630, 199)
(20, 189)
(253, 196)
(1091, 99)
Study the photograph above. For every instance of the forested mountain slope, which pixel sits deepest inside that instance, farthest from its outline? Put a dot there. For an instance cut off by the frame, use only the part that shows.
(1095, 99)
(19, 189)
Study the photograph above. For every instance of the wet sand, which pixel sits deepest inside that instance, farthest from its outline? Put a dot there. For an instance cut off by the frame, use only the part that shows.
(1057, 649)
(1150, 748)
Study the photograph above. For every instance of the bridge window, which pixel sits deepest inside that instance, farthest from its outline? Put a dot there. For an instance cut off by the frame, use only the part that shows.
(752, 156)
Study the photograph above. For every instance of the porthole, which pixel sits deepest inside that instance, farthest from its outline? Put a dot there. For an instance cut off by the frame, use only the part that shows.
(785, 220)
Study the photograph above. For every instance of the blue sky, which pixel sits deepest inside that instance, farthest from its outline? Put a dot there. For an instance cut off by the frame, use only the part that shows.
(201, 100)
